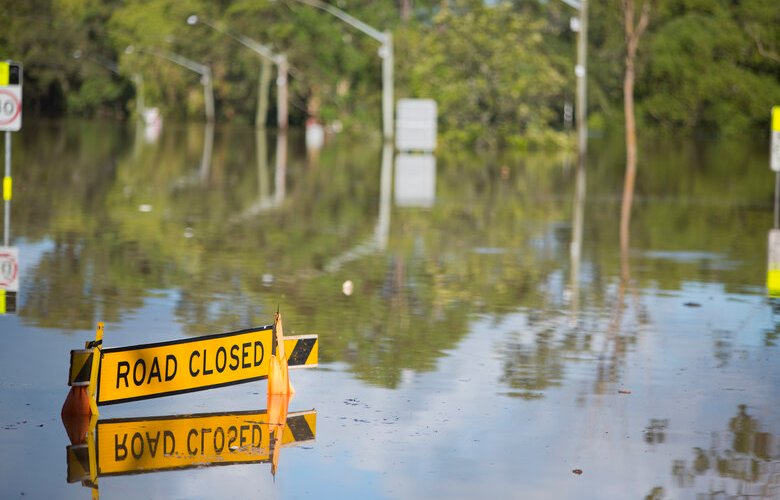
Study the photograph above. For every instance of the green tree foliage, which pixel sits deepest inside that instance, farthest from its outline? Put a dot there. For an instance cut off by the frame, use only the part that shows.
(500, 71)
(706, 68)
(492, 71)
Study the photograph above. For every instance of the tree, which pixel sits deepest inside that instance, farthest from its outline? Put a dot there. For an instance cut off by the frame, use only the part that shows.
(495, 75)
(634, 29)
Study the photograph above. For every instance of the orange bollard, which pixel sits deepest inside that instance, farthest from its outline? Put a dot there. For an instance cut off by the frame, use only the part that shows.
(75, 414)
(278, 373)
(277, 420)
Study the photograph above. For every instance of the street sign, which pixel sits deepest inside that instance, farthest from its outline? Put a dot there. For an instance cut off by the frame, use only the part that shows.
(774, 161)
(416, 125)
(140, 445)
(10, 96)
(9, 269)
(166, 368)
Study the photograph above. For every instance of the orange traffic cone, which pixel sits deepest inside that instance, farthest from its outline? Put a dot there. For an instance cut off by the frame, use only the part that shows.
(278, 373)
(76, 413)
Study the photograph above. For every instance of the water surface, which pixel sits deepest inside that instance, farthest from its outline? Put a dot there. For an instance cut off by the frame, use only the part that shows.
(472, 354)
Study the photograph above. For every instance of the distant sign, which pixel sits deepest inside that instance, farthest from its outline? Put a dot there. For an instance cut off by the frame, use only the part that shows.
(415, 180)
(9, 269)
(10, 96)
(139, 445)
(167, 368)
(775, 152)
(416, 125)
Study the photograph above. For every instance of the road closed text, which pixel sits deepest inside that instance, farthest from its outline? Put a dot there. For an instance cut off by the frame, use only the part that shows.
(173, 367)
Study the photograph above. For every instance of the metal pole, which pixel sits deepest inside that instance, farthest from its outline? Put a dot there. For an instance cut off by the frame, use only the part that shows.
(282, 109)
(7, 191)
(263, 88)
(777, 198)
(582, 79)
(387, 86)
(208, 91)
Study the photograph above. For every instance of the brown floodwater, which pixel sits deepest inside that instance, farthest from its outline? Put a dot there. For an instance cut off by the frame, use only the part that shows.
(481, 332)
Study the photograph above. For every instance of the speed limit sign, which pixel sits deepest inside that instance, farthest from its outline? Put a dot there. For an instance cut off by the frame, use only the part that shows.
(10, 96)
(9, 269)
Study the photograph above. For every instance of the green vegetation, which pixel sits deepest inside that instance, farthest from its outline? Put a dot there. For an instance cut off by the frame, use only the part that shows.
(500, 71)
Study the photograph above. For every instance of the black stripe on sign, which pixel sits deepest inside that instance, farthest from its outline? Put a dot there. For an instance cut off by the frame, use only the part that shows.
(300, 354)
(78, 463)
(300, 428)
(85, 372)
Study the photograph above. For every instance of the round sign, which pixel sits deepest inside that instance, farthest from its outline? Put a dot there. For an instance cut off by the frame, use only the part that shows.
(9, 269)
(10, 107)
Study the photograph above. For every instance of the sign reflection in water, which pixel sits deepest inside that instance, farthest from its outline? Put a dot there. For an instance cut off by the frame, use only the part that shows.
(140, 445)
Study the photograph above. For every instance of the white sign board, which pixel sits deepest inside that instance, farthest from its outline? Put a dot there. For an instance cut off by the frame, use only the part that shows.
(415, 180)
(9, 269)
(10, 96)
(416, 125)
(774, 160)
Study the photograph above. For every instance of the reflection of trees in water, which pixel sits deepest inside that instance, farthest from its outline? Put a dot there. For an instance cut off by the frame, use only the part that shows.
(744, 456)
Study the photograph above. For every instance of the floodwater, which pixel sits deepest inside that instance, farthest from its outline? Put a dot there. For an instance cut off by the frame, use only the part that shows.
(465, 351)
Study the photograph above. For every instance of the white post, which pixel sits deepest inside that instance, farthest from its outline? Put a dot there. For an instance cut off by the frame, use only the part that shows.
(387, 86)
(582, 80)
(282, 92)
(7, 191)
(208, 93)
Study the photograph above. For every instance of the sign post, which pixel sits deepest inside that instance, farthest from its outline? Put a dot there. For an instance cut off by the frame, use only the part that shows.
(10, 121)
(775, 151)
(774, 160)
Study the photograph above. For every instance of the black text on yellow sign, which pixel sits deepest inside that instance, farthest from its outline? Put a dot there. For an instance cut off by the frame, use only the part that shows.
(131, 446)
(152, 370)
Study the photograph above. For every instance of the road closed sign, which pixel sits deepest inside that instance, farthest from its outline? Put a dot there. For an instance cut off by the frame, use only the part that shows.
(10, 96)
(151, 370)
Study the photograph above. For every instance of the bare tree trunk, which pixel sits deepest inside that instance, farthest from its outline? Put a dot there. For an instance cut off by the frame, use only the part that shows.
(406, 10)
(633, 34)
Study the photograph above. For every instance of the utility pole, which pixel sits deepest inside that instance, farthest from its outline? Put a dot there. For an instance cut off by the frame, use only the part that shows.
(203, 70)
(268, 56)
(581, 71)
(385, 52)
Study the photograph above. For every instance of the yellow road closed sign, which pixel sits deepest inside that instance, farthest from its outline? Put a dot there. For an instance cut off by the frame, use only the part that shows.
(151, 370)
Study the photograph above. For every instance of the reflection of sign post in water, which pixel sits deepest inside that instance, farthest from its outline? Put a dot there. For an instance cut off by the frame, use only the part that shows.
(9, 279)
(139, 445)
(415, 180)
(773, 267)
